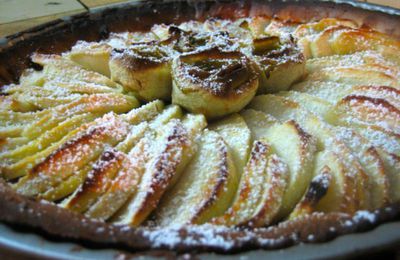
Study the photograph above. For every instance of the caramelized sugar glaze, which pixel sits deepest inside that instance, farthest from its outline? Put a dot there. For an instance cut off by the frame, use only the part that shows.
(287, 125)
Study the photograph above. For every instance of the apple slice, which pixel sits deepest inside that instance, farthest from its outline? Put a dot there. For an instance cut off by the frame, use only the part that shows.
(55, 65)
(317, 189)
(361, 110)
(284, 108)
(297, 148)
(261, 190)
(391, 95)
(257, 122)
(96, 103)
(392, 169)
(359, 75)
(170, 112)
(142, 114)
(46, 139)
(354, 40)
(126, 183)
(386, 140)
(72, 155)
(96, 182)
(92, 56)
(309, 32)
(206, 188)
(73, 182)
(237, 136)
(286, 137)
(350, 60)
(86, 196)
(371, 161)
(341, 194)
(173, 149)
(328, 90)
(316, 105)
(360, 147)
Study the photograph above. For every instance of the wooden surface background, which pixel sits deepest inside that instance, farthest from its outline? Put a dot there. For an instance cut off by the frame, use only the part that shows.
(18, 15)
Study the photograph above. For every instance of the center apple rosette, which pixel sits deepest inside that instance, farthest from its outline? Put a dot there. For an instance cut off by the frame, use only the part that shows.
(213, 82)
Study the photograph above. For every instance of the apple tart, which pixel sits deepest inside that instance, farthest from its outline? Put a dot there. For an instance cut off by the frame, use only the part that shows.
(218, 124)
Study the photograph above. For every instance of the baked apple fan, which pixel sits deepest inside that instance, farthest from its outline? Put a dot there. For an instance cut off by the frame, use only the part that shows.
(298, 123)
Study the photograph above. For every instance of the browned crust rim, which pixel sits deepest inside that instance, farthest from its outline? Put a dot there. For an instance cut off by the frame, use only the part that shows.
(53, 220)
(60, 35)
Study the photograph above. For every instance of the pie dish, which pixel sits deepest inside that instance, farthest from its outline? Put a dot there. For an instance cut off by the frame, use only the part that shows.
(235, 131)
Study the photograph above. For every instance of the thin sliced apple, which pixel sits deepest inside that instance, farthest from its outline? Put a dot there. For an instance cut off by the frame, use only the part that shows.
(284, 108)
(261, 190)
(125, 184)
(92, 56)
(96, 182)
(296, 148)
(362, 110)
(392, 169)
(96, 103)
(55, 65)
(340, 196)
(206, 188)
(46, 139)
(237, 136)
(257, 122)
(316, 191)
(173, 150)
(73, 155)
(371, 161)
(361, 75)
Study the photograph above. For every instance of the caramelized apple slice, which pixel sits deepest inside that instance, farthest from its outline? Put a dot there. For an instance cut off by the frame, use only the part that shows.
(307, 33)
(284, 138)
(361, 110)
(206, 188)
(66, 187)
(96, 182)
(237, 136)
(73, 155)
(341, 195)
(319, 26)
(315, 192)
(389, 94)
(141, 114)
(126, 182)
(297, 148)
(72, 183)
(371, 161)
(261, 190)
(284, 108)
(173, 149)
(46, 139)
(97, 103)
(129, 176)
(353, 40)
